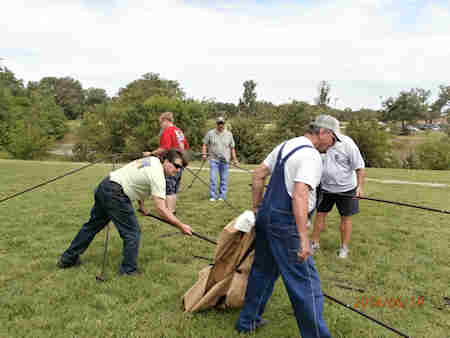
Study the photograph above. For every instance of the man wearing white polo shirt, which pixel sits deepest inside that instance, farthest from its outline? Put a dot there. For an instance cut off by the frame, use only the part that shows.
(343, 174)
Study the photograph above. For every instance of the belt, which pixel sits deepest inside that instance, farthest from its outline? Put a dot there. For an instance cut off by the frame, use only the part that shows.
(116, 186)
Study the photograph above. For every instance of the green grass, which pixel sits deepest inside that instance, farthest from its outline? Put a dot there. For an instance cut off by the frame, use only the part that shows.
(395, 252)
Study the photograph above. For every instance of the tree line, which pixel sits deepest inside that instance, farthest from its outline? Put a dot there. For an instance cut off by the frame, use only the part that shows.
(35, 115)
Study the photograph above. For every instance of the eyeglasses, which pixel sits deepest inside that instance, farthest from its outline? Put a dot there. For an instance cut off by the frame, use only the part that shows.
(333, 137)
(176, 165)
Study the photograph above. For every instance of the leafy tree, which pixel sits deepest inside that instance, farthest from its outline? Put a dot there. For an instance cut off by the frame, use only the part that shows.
(434, 154)
(323, 99)
(293, 119)
(374, 143)
(29, 120)
(27, 140)
(118, 127)
(348, 114)
(249, 140)
(51, 118)
(409, 106)
(189, 115)
(248, 101)
(225, 108)
(266, 110)
(151, 84)
(12, 96)
(94, 96)
(9, 82)
(438, 106)
(101, 132)
(68, 94)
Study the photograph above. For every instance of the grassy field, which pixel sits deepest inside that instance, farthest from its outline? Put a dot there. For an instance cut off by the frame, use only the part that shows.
(397, 253)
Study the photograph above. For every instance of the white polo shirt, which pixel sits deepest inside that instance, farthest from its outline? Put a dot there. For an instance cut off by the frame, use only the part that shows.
(339, 165)
(141, 178)
(305, 166)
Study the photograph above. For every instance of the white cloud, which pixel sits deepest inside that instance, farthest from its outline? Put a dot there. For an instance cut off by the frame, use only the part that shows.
(366, 49)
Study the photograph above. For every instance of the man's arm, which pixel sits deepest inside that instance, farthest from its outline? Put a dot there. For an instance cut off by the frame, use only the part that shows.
(233, 156)
(360, 175)
(204, 151)
(155, 152)
(164, 212)
(258, 181)
(142, 207)
(164, 144)
(300, 198)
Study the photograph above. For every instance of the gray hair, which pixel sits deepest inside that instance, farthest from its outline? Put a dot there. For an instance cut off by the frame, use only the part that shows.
(312, 129)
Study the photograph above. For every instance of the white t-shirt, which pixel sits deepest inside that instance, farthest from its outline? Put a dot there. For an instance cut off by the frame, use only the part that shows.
(305, 166)
(141, 178)
(339, 165)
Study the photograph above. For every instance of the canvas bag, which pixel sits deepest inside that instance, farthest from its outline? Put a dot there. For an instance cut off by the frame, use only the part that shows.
(223, 284)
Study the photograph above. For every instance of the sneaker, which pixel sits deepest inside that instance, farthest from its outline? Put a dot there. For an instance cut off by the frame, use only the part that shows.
(212, 199)
(220, 199)
(314, 246)
(65, 265)
(261, 323)
(343, 253)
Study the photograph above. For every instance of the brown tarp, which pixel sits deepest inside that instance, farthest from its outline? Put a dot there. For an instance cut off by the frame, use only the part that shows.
(223, 284)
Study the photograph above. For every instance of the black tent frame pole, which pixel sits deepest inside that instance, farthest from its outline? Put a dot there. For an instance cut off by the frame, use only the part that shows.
(195, 234)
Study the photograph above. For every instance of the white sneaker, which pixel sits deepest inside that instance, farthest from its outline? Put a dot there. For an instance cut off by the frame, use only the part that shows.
(314, 246)
(212, 199)
(343, 253)
(220, 199)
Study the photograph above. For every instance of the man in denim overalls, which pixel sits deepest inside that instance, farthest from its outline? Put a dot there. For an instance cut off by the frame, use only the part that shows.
(282, 245)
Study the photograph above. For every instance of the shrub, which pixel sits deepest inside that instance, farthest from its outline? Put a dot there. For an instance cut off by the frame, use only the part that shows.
(435, 154)
(374, 143)
(249, 140)
(27, 140)
(133, 128)
(293, 119)
(446, 128)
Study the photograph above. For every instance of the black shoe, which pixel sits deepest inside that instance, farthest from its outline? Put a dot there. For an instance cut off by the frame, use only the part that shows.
(261, 323)
(65, 265)
(137, 272)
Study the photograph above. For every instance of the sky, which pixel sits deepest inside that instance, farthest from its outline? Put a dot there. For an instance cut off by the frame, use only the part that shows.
(368, 50)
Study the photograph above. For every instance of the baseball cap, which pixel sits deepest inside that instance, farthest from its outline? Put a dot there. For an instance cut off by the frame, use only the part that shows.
(328, 122)
(220, 119)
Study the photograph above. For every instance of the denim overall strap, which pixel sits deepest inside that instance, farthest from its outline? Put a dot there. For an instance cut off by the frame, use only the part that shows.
(276, 195)
(268, 193)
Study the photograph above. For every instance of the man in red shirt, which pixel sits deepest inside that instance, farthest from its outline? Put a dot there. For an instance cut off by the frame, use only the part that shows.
(171, 137)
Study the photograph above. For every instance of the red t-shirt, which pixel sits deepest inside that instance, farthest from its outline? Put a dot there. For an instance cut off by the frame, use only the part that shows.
(173, 137)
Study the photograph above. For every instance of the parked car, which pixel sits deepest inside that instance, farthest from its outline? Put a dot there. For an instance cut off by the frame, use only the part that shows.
(412, 129)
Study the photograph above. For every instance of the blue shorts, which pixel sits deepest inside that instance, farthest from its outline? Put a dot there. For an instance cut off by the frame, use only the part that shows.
(173, 183)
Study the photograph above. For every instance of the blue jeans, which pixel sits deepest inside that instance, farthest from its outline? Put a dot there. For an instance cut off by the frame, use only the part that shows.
(218, 168)
(111, 203)
(276, 246)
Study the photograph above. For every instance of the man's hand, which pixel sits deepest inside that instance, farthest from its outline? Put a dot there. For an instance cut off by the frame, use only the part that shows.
(143, 211)
(306, 251)
(186, 229)
(359, 191)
